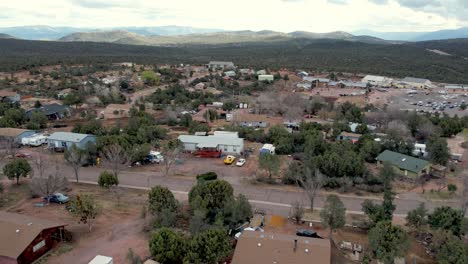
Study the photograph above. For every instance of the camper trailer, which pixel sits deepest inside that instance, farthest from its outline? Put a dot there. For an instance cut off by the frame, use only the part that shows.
(35, 140)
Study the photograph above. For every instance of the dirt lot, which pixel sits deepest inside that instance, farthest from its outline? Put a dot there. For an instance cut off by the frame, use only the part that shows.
(118, 228)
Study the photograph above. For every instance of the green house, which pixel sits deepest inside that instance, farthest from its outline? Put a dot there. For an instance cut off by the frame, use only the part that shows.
(404, 164)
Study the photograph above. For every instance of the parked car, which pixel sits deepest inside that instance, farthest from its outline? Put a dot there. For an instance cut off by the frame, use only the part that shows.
(240, 162)
(23, 155)
(229, 159)
(57, 198)
(307, 233)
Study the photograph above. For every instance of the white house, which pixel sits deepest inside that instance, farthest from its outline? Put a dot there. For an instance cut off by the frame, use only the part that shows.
(266, 77)
(417, 82)
(376, 80)
(261, 72)
(227, 142)
(221, 64)
(230, 73)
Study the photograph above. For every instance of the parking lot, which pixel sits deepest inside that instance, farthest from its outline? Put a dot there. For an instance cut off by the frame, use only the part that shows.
(425, 101)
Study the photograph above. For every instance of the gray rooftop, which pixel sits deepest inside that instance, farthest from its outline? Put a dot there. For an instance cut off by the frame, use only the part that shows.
(212, 141)
(68, 136)
(230, 63)
(415, 80)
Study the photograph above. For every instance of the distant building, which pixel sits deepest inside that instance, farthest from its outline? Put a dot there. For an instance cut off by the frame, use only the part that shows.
(24, 239)
(221, 65)
(15, 134)
(353, 137)
(266, 77)
(267, 248)
(52, 111)
(261, 72)
(68, 139)
(351, 84)
(200, 86)
(227, 142)
(253, 124)
(376, 80)
(304, 85)
(9, 96)
(417, 82)
(404, 164)
(230, 73)
(302, 74)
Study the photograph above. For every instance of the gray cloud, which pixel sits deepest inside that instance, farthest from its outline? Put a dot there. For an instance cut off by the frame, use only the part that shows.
(419, 3)
(379, 2)
(97, 4)
(338, 2)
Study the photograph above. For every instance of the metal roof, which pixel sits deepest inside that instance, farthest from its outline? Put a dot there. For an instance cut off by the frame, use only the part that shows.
(210, 141)
(18, 231)
(403, 161)
(415, 80)
(69, 137)
(230, 63)
(267, 248)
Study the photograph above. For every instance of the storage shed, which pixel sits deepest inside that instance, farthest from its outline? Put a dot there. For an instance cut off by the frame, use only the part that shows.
(15, 134)
(24, 239)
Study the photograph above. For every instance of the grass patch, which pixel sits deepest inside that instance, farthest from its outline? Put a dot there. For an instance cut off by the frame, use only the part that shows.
(442, 195)
(465, 132)
(64, 248)
(13, 194)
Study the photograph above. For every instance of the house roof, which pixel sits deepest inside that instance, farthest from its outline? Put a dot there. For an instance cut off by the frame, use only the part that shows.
(403, 161)
(50, 109)
(348, 134)
(267, 248)
(12, 132)
(373, 78)
(415, 80)
(5, 93)
(18, 231)
(212, 141)
(68, 136)
(221, 62)
(313, 79)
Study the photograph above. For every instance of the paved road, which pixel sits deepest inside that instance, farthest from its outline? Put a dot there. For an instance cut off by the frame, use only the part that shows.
(273, 199)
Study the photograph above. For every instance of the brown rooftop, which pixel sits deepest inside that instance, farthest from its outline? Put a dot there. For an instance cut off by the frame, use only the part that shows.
(11, 132)
(5, 93)
(18, 231)
(270, 248)
(349, 134)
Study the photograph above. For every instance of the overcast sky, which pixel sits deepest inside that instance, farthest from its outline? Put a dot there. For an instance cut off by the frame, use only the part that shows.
(279, 15)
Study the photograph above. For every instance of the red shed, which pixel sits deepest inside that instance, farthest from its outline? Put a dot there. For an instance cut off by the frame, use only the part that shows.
(23, 239)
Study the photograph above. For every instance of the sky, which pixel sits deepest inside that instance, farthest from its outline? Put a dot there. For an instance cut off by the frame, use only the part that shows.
(278, 15)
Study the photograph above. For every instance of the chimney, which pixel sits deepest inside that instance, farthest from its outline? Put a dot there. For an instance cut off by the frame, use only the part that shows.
(295, 245)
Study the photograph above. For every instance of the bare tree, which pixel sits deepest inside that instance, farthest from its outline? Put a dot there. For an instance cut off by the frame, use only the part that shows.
(117, 192)
(171, 152)
(116, 158)
(9, 146)
(464, 198)
(297, 211)
(311, 181)
(75, 158)
(45, 186)
(398, 129)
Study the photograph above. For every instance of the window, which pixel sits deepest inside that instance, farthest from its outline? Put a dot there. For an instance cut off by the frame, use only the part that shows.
(225, 148)
(39, 246)
(234, 149)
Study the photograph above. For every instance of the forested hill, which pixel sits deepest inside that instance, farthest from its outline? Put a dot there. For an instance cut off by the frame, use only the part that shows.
(399, 60)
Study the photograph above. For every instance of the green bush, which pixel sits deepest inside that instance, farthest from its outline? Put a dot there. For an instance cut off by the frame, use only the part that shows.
(209, 176)
(108, 179)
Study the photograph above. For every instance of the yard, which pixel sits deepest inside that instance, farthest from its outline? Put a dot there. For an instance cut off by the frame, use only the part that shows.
(117, 229)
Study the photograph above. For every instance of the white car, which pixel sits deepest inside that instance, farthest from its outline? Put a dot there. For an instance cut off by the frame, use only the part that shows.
(240, 162)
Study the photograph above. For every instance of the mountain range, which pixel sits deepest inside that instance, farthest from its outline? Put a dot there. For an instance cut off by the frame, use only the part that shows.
(40, 32)
(417, 36)
(225, 37)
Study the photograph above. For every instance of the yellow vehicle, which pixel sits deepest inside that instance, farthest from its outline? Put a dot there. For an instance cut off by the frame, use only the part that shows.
(229, 160)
